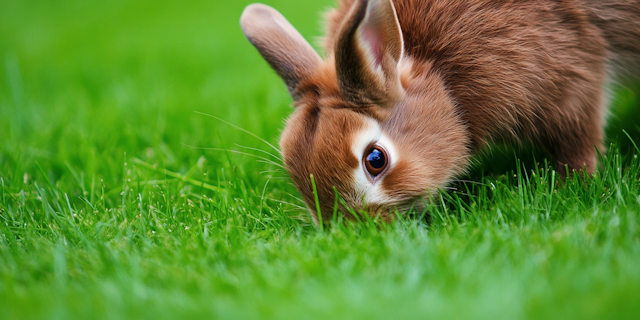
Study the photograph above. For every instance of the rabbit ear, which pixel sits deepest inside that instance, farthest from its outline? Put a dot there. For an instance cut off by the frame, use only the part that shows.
(368, 50)
(284, 48)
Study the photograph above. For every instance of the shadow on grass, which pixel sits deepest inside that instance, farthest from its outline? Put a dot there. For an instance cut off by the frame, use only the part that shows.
(624, 117)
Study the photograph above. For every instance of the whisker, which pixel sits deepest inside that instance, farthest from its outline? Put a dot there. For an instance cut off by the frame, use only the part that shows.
(259, 150)
(271, 162)
(302, 201)
(264, 160)
(288, 203)
(241, 129)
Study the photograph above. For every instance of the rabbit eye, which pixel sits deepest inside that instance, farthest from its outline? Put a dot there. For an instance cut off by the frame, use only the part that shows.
(376, 160)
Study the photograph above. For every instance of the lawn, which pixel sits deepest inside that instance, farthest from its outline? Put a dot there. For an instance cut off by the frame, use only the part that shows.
(138, 180)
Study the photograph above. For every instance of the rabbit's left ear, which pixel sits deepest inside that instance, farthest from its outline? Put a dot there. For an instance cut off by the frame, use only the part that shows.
(288, 53)
(368, 50)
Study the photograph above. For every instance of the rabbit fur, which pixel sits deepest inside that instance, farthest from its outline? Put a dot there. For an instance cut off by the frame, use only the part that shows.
(432, 82)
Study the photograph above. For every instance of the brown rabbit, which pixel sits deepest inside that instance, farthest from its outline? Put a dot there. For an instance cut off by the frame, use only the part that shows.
(409, 90)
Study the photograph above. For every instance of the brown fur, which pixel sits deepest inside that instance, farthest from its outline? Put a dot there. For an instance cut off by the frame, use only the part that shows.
(473, 71)
(620, 26)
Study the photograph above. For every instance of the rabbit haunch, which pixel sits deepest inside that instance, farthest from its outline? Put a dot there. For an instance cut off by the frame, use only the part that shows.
(432, 81)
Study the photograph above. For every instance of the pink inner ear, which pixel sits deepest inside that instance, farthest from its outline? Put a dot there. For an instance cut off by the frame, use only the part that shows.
(373, 40)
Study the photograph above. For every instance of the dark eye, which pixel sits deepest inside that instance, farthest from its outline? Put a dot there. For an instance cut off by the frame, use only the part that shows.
(376, 160)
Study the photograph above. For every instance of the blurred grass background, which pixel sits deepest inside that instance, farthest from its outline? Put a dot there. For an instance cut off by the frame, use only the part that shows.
(99, 135)
(105, 78)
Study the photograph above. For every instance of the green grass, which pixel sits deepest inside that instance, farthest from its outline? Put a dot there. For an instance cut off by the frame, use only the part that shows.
(113, 207)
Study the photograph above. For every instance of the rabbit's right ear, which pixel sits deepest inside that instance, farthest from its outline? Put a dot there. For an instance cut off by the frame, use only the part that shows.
(369, 48)
(284, 48)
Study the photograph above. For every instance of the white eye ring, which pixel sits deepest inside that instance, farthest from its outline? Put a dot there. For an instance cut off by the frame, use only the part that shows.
(368, 187)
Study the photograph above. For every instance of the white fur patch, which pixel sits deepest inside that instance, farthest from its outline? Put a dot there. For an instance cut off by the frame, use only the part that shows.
(372, 133)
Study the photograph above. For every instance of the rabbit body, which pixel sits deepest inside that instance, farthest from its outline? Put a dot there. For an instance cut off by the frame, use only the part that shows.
(425, 84)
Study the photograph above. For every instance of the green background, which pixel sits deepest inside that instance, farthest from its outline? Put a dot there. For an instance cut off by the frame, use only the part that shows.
(120, 200)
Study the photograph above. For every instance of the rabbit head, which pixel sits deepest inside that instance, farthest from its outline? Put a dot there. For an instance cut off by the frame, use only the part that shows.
(370, 124)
